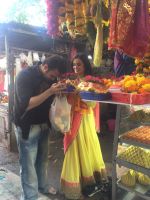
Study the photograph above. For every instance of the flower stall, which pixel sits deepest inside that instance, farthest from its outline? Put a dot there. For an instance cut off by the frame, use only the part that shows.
(129, 32)
(99, 28)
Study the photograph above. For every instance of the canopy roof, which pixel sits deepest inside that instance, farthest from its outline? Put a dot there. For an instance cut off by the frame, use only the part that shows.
(31, 37)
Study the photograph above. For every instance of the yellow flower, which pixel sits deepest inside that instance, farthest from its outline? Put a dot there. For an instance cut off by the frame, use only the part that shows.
(130, 86)
(140, 80)
(127, 78)
(146, 87)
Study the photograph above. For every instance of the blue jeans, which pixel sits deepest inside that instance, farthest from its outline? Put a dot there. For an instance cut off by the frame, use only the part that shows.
(33, 157)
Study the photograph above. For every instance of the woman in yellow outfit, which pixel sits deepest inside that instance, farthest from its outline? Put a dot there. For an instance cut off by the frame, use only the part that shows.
(83, 163)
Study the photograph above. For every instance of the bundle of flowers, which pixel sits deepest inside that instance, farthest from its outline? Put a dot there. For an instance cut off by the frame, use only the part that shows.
(52, 17)
(88, 83)
(92, 87)
(97, 80)
(138, 84)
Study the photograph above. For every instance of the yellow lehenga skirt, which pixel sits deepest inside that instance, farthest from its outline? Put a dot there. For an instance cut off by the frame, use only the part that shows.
(83, 162)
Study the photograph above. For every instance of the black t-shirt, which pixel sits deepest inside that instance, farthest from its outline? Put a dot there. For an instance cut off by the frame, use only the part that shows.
(30, 82)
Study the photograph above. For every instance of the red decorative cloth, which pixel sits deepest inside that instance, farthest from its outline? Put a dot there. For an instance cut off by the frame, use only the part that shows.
(130, 26)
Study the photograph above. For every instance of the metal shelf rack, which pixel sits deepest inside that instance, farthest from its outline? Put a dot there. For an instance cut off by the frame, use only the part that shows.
(116, 160)
(134, 143)
(129, 165)
(118, 139)
(138, 190)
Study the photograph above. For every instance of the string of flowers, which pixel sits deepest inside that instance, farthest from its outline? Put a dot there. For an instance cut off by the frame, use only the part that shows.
(52, 17)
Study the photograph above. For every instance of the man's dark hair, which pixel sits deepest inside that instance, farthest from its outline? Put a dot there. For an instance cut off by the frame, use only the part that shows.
(56, 62)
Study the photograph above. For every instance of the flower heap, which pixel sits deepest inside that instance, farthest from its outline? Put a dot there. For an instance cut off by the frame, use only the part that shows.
(88, 83)
(98, 80)
(137, 84)
(95, 84)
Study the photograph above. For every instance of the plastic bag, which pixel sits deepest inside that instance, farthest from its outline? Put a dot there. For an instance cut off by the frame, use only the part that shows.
(60, 114)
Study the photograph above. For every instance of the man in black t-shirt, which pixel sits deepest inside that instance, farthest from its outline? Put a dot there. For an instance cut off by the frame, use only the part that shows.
(34, 90)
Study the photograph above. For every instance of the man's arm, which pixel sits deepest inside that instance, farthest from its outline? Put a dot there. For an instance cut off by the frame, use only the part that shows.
(25, 90)
(39, 99)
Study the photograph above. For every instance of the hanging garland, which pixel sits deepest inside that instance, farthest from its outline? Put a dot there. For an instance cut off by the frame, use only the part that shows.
(52, 17)
(75, 17)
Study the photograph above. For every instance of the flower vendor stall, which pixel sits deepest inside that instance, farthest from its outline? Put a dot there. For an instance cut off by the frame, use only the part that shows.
(98, 28)
(129, 32)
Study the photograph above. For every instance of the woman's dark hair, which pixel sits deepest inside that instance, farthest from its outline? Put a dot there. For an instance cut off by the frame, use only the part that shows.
(56, 62)
(86, 62)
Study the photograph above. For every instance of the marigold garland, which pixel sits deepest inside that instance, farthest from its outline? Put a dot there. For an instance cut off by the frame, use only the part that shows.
(136, 84)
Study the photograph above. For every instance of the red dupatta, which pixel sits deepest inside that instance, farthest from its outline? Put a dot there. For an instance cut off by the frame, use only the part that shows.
(78, 109)
(69, 137)
(130, 26)
(96, 111)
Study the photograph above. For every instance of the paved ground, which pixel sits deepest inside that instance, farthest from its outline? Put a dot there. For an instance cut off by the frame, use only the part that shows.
(10, 161)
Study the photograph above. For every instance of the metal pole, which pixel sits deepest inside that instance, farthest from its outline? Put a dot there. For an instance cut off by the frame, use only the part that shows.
(9, 83)
(115, 150)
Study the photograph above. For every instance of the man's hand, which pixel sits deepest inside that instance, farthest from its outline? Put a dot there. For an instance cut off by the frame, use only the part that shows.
(57, 87)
